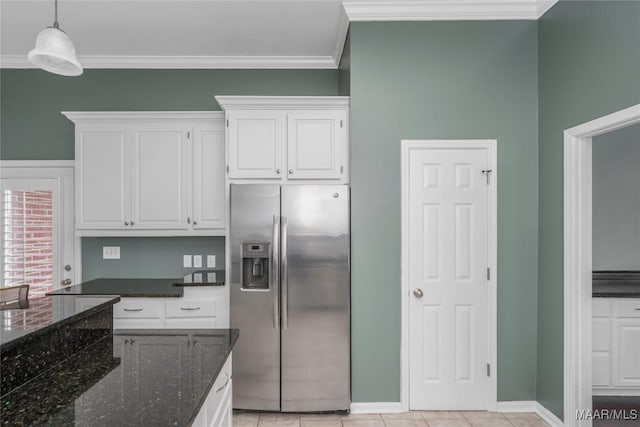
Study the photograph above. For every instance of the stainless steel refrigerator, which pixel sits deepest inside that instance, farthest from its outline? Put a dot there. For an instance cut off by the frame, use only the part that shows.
(290, 297)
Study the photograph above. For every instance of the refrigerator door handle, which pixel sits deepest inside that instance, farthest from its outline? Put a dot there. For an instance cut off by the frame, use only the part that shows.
(275, 270)
(285, 276)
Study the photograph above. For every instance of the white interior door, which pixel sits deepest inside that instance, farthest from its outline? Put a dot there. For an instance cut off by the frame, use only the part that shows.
(448, 247)
(37, 227)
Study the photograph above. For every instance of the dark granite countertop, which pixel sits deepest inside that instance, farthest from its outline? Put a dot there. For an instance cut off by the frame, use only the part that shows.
(616, 284)
(138, 287)
(134, 377)
(41, 316)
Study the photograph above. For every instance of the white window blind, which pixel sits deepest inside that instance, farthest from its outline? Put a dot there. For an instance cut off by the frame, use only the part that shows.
(27, 231)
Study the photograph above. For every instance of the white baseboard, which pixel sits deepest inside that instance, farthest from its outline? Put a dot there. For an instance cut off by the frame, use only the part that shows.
(517, 406)
(531, 406)
(548, 416)
(377, 408)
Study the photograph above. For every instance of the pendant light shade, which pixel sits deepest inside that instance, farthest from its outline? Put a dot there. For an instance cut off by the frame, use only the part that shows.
(54, 51)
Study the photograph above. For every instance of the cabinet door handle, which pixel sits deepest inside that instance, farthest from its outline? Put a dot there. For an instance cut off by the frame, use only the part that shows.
(126, 223)
(133, 223)
(188, 220)
(133, 309)
(278, 171)
(195, 222)
(225, 384)
(189, 308)
(637, 309)
(290, 171)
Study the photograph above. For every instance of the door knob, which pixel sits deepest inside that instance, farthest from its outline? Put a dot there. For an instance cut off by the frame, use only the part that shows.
(67, 267)
(418, 293)
(66, 282)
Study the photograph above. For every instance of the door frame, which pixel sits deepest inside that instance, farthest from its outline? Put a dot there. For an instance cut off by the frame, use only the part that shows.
(491, 146)
(63, 172)
(577, 249)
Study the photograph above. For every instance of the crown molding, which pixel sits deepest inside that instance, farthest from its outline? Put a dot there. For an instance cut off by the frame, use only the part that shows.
(79, 117)
(283, 102)
(190, 62)
(446, 10)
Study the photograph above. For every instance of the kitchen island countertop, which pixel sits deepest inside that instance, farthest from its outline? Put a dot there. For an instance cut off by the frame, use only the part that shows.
(134, 377)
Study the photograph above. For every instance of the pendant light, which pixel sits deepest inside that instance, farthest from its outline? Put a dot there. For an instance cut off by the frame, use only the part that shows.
(54, 51)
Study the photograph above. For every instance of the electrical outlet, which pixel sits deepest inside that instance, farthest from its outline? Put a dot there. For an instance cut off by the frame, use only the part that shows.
(186, 261)
(211, 261)
(197, 261)
(111, 252)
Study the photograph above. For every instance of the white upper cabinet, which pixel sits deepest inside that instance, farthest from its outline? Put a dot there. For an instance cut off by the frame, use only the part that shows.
(287, 138)
(160, 176)
(316, 141)
(149, 173)
(103, 193)
(208, 177)
(256, 144)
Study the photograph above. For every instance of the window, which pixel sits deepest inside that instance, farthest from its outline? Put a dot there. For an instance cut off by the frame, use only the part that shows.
(27, 228)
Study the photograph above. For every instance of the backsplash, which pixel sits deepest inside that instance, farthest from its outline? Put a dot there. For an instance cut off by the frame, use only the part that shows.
(147, 257)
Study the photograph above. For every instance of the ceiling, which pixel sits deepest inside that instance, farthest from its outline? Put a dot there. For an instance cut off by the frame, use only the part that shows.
(222, 33)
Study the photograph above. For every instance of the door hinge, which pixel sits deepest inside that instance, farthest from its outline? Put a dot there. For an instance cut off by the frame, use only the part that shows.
(341, 169)
(227, 122)
(188, 134)
(341, 123)
(227, 168)
(488, 273)
(488, 370)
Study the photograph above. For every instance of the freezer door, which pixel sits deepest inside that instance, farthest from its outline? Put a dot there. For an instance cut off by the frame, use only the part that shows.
(315, 298)
(255, 217)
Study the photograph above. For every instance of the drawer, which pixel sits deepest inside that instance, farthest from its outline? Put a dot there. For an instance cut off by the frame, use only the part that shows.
(190, 323)
(223, 382)
(138, 308)
(626, 308)
(601, 307)
(191, 308)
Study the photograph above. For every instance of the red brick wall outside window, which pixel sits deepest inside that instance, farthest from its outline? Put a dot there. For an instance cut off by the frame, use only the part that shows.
(27, 232)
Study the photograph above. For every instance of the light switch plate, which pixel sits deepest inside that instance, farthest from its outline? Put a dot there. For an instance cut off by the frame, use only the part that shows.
(211, 261)
(197, 261)
(111, 252)
(186, 261)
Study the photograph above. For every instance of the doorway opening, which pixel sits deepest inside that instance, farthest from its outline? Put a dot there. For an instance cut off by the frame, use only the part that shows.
(578, 260)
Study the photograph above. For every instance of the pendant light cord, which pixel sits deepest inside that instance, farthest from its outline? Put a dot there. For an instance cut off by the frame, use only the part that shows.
(55, 21)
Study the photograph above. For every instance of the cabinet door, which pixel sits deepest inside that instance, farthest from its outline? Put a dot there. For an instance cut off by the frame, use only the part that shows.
(102, 177)
(626, 343)
(160, 177)
(316, 145)
(255, 144)
(208, 177)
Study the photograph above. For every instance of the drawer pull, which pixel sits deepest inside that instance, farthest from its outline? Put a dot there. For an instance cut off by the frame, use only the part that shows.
(133, 309)
(189, 308)
(637, 309)
(225, 384)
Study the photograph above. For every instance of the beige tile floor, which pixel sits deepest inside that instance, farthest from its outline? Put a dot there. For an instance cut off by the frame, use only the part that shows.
(407, 419)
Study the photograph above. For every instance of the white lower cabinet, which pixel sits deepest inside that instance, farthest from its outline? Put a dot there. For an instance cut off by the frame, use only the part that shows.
(217, 409)
(616, 346)
(199, 308)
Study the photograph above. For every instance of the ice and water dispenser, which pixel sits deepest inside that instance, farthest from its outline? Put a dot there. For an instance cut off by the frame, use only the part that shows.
(255, 265)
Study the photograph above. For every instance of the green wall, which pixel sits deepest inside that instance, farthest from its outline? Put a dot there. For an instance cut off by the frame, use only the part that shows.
(33, 128)
(616, 214)
(147, 257)
(589, 66)
(433, 80)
